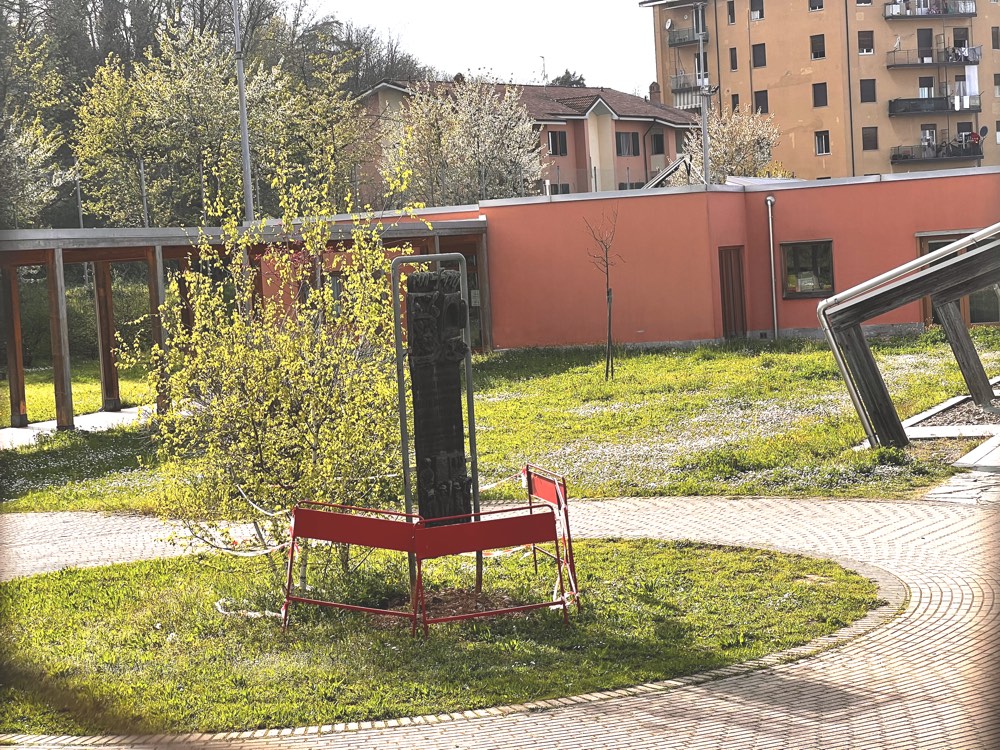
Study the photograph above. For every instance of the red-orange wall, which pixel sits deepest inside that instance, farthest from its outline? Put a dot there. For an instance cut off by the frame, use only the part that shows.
(545, 290)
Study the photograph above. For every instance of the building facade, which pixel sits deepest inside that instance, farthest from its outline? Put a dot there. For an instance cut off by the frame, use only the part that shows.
(592, 138)
(856, 86)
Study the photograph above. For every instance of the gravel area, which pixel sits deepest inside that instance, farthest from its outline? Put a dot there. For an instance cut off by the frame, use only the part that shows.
(965, 413)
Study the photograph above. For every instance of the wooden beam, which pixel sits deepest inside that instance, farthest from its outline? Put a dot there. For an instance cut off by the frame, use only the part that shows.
(154, 278)
(953, 323)
(871, 388)
(187, 314)
(10, 314)
(59, 334)
(106, 329)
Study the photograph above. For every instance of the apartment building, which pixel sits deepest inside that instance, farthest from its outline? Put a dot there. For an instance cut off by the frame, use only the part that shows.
(856, 86)
(592, 138)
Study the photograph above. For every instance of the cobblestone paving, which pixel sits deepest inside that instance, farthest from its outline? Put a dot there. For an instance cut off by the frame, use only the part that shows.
(925, 679)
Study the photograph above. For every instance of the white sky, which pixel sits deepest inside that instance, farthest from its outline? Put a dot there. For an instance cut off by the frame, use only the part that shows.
(610, 43)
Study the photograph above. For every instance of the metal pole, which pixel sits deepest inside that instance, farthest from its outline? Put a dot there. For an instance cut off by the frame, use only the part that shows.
(79, 196)
(703, 88)
(770, 200)
(142, 187)
(248, 212)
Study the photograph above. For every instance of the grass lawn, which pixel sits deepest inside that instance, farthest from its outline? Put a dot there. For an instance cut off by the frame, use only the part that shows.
(747, 419)
(86, 376)
(142, 648)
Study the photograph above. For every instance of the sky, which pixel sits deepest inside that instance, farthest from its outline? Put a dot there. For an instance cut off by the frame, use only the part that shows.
(609, 42)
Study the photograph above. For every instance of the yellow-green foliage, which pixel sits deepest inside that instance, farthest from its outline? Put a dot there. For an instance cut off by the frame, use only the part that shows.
(284, 399)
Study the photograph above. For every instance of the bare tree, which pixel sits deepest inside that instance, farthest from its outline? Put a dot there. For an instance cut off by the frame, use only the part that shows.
(603, 236)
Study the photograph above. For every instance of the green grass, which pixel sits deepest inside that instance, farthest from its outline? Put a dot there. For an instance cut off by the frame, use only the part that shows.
(110, 471)
(86, 378)
(747, 419)
(141, 648)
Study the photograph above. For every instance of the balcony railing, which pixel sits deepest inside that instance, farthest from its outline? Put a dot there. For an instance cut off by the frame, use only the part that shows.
(680, 37)
(939, 8)
(936, 152)
(687, 82)
(934, 56)
(930, 104)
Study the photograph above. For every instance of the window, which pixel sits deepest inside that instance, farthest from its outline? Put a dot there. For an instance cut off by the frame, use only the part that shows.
(869, 139)
(822, 142)
(759, 53)
(807, 268)
(864, 2)
(732, 59)
(867, 89)
(629, 185)
(815, 4)
(817, 47)
(627, 144)
(756, 10)
(760, 102)
(731, 12)
(561, 189)
(928, 135)
(819, 94)
(657, 144)
(996, 85)
(557, 142)
(735, 102)
(925, 87)
(866, 42)
(995, 31)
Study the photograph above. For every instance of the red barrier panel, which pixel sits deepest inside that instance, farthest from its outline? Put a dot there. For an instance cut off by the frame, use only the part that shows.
(496, 529)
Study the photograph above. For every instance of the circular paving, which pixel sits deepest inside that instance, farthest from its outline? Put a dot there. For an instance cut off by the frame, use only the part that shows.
(924, 679)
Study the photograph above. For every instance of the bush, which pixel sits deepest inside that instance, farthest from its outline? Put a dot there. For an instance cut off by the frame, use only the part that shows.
(131, 301)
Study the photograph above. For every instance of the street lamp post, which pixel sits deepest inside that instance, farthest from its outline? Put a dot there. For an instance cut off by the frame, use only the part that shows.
(248, 212)
(704, 92)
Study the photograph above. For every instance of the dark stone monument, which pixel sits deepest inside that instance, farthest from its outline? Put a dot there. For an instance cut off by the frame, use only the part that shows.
(436, 315)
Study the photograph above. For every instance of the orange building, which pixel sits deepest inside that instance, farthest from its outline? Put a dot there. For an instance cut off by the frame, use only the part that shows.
(856, 87)
(592, 138)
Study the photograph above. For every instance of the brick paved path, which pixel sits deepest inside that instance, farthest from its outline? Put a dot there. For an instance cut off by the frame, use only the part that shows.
(922, 680)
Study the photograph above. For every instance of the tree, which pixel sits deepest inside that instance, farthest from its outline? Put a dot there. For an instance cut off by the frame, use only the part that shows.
(464, 141)
(603, 236)
(30, 139)
(568, 79)
(740, 142)
(279, 400)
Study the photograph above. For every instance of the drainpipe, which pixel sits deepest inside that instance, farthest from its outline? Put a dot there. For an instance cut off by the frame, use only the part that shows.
(774, 284)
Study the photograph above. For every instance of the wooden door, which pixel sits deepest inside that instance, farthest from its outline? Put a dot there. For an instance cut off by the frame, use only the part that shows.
(734, 324)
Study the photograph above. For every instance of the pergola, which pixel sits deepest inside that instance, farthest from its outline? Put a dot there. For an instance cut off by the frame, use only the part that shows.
(55, 248)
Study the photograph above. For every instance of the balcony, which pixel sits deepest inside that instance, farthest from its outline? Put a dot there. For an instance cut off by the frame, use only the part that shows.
(680, 37)
(925, 11)
(961, 150)
(935, 104)
(687, 82)
(916, 58)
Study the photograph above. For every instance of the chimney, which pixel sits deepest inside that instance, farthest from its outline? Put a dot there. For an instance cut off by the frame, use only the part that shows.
(654, 93)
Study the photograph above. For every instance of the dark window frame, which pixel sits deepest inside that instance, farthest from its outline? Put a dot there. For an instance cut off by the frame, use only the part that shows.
(866, 44)
(758, 60)
(757, 95)
(817, 257)
(869, 138)
(817, 47)
(865, 98)
(557, 138)
(733, 62)
(657, 144)
(820, 95)
(627, 140)
(818, 137)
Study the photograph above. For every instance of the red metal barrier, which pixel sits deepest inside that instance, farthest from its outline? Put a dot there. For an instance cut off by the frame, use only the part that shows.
(533, 524)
